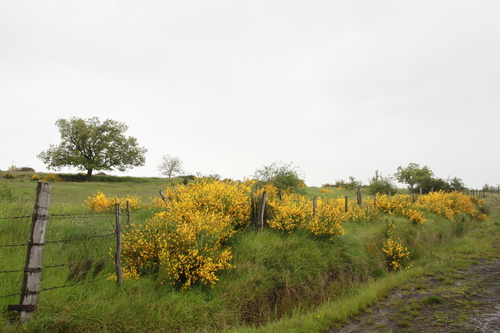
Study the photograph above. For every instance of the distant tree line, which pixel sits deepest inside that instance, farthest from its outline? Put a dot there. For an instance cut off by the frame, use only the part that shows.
(419, 180)
(89, 144)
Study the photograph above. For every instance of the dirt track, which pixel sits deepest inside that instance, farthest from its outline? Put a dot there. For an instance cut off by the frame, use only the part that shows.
(463, 301)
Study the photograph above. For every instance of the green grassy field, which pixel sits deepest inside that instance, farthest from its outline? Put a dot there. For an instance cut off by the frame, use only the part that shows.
(281, 283)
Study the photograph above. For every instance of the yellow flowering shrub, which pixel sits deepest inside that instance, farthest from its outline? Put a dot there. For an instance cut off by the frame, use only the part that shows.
(290, 213)
(156, 202)
(186, 243)
(195, 250)
(397, 255)
(392, 205)
(296, 212)
(447, 205)
(51, 178)
(481, 217)
(271, 191)
(400, 205)
(330, 213)
(101, 203)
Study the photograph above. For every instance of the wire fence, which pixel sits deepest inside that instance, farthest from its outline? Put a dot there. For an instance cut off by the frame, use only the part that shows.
(68, 264)
(83, 264)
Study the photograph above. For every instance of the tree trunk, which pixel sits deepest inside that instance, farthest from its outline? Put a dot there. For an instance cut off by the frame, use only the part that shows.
(89, 174)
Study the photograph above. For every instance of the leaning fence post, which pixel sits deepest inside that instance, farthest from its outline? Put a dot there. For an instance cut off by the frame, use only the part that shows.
(164, 197)
(34, 254)
(119, 272)
(262, 210)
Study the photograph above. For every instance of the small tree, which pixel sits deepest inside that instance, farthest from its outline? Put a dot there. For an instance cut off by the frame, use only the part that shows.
(170, 166)
(283, 176)
(456, 184)
(88, 144)
(381, 184)
(414, 175)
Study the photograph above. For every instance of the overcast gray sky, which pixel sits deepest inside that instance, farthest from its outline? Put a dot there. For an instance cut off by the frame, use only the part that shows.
(338, 88)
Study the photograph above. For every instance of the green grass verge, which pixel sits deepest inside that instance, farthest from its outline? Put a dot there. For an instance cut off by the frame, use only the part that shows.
(450, 255)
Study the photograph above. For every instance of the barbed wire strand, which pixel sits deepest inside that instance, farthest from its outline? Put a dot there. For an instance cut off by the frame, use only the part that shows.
(51, 266)
(62, 240)
(79, 238)
(71, 285)
(13, 271)
(58, 287)
(11, 295)
(15, 217)
(14, 245)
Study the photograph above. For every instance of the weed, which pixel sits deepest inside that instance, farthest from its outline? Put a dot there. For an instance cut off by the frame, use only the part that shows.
(433, 299)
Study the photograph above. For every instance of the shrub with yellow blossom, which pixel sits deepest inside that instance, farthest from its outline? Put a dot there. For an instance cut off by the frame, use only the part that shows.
(289, 213)
(186, 243)
(447, 205)
(101, 203)
(295, 211)
(52, 178)
(194, 251)
(400, 205)
(397, 255)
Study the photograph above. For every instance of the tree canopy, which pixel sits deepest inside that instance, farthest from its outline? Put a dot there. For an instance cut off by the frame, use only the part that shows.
(88, 145)
(283, 176)
(170, 166)
(380, 184)
(414, 175)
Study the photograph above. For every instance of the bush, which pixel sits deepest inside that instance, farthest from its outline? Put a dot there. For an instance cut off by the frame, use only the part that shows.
(380, 184)
(101, 203)
(187, 243)
(35, 177)
(52, 178)
(282, 176)
(9, 176)
(80, 177)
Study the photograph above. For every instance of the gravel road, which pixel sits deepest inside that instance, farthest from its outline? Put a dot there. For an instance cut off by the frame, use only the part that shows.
(461, 301)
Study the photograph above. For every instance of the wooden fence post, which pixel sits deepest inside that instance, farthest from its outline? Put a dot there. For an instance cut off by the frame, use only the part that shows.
(346, 204)
(34, 254)
(164, 197)
(128, 212)
(358, 194)
(315, 206)
(119, 272)
(262, 210)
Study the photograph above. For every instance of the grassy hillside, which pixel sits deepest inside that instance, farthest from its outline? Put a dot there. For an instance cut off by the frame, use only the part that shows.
(293, 282)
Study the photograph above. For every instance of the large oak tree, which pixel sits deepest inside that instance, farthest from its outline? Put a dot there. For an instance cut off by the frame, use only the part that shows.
(88, 145)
